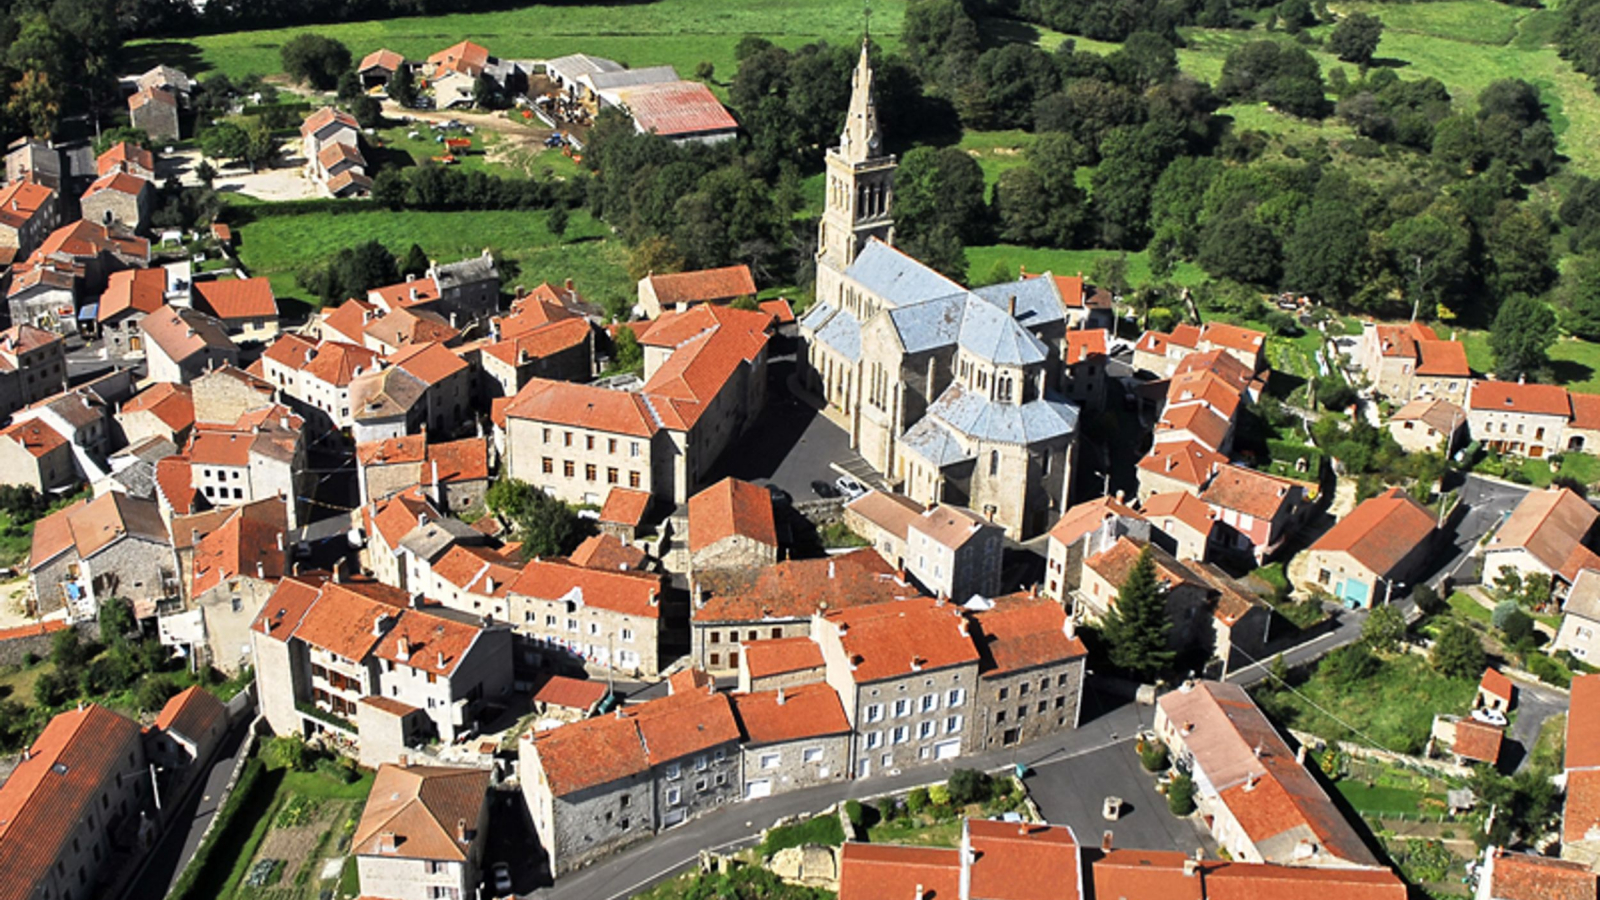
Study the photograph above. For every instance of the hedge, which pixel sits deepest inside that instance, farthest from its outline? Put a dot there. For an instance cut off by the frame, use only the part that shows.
(190, 885)
(824, 830)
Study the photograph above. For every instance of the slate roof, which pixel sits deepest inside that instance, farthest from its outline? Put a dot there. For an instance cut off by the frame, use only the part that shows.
(836, 328)
(1039, 301)
(896, 277)
(976, 416)
(930, 324)
(989, 333)
(934, 443)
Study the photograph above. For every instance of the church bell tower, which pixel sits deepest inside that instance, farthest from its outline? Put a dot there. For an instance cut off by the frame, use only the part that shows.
(860, 181)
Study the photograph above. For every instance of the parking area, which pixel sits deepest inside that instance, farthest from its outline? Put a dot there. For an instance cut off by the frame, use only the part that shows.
(791, 445)
(1073, 791)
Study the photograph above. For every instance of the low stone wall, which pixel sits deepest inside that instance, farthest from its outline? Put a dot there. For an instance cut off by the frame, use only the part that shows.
(1439, 767)
(821, 512)
(17, 643)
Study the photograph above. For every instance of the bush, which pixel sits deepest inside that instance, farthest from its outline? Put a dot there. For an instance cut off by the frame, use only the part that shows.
(1153, 756)
(1180, 795)
(824, 830)
(315, 60)
(1427, 599)
(939, 794)
(287, 753)
(1335, 396)
(1518, 627)
(852, 810)
(1502, 613)
(153, 692)
(65, 649)
(917, 800)
(54, 688)
(1548, 670)
(1348, 665)
(969, 786)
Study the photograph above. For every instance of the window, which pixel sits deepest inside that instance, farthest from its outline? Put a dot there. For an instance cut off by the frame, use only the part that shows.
(588, 442)
(771, 760)
(899, 735)
(550, 621)
(1043, 705)
(1061, 702)
(1044, 683)
(1022, 712)
(633, 479)
(633, 448)
(547, 466)
(700, 785)
(925, 730)
(238, 604)
(589, 471)
(673, 770)
(952, 725)
(1061, 680)
(811, 754)
(700, 763)
(572, 624)
(874, 738)
(719, 755)
(1022, 689)
(874, 712)
(568, 468)
(566, 439)
(611, 445)
(994, 462)
(958, 696)
(627, 634)
(929, 702)
(611, 475)
(1004, 693)
(902, 708)
(1000, 717)
(716, 659)
(674, 796)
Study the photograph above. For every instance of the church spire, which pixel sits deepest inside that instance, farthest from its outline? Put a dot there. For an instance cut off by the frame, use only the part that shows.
(860, 141)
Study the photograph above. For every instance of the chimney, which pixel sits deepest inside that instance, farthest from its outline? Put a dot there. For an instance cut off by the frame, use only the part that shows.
(830, 570)
(461, 830)
(568, 285)
(1258, 749)
(916, 663)
(403, 760)
(1250, 782)
(780, 697)
(386, 842)
(261, 570)
(338, 571)
(1190, 867)
(1011, 306)
(918, 893)
(194, 536)
(402, 650)
(1071, 628)
(1105, 842)
(280, 542)
(441, 659)
(1022, 829)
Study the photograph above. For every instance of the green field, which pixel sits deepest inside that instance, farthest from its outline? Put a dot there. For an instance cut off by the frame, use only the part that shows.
(1575, 362)
(680, 33)
(278, 245)
(982, 260)
(1365, 712)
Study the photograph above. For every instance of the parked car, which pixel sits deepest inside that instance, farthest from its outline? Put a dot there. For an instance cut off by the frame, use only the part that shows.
(1490, 717)
(780, 497)
(849, 487)
(501, 873)
(824, 490)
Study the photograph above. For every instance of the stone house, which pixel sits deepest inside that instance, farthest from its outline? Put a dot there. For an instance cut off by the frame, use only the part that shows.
(31, 159)
(600, 617)
(1580, 618)
(246, 307)
(1376, 548)
(469, 289)
(731, 526)
(1030, 678)
(1428, 426)
(130, 295)
(261, 455)
(905, 673)
(1255, 512)
(318, 375)
(575, 441)
(1161, 352)
(44, 296)
(181, 345)
(422, 833)
(82, 417)
(112, 546)
(596, 786)
(476, 580)
(329, 644)
(1083, 377)
(386, 523)
(1518, 419)
(794, 738)
(323, 127)
(447, 385)
(1181, 524)
(453, 475)
(387, 403)
(28, 212)
(738, 606)
(33, 366)
(562, 350)
(77, 257)
(233, 570)
(377, 67)
(949, 551)
(155, 110)
(226, 394)
(1186, 593)
(1082, 531)
(33, 454)
(71, 805)
(119, 200)
(1255, 793)
(188, 729)
(1409, 362)
(126, 156)
(1547, 533)
(678, 291)
(623, 513)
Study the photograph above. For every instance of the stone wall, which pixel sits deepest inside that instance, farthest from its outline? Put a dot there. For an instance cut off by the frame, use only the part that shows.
(17, 643)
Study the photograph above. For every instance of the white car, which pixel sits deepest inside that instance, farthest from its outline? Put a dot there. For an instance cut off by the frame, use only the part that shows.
(849, 487)
(1490, 717)
(501, 874)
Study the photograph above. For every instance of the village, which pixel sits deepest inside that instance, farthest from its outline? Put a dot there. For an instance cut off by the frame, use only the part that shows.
(469, 585)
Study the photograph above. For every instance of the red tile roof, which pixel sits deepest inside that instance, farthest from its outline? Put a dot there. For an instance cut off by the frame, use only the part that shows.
(780, 311)
(1532, 399)
(382, 58)
(1583, 724)
(191, 713)
(1197, 421)
(1085, 344)
(601, 750)
(1497, 684)
(238, 298)
(27, 631)
(892, 640)
(1254, 493)
(410, 292)
(136, 290)
(780, 656)
(1477, 741)
(249, 544)
(685, 385)
(1182, 506)
(890, 872)
(1189, 462)
(422, 808)
(1246, 881)
(347, 622)
(1022, 861)
(573, 693)
(605, 551)
(430, 362)
(35, 437)
(324, 117)
(426, 642)
(1447, 358)
(478, 569)
(583, 406)
(150, 95)
(21, 200)
(1580, 816)
(1523, 876)
(393, 451)
(1550, 524)
(541, 342)
(79, 754)
(1234, 337)
(790, 714)
(797, 588)
(176, 483)
(1116, 562)
(455, 462)
(731, 508)
(706, 285)
(337, 363)
(1205, 386)
(1083, 518)
(465, 57)
(625, 506)
(628, 593)
(392, 519)
(1380, 532)
(1145, 875)
(1024, 631)
(118, 181)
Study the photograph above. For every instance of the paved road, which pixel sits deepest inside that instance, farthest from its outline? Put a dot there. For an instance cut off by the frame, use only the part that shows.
(1346, 630)
(1535, 705)
(183, 834)
(1487, 502)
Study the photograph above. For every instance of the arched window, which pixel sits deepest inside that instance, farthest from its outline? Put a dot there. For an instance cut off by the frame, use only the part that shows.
(994, 462)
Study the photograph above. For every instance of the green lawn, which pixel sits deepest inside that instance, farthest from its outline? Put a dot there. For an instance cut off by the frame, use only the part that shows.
(16, 682)
(1379, 800)
(277, 245)
(996, 151)
(1575, 362)
(914, 830)
(681, 33)
(335, 805)
(982, 260)
(1467, 607)
(1467, 44)
(1366, 711)
(1582, 467)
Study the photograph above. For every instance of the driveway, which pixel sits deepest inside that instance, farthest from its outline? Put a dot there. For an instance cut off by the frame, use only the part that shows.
(1072, 792)
(1534, 706)
(1487, 503)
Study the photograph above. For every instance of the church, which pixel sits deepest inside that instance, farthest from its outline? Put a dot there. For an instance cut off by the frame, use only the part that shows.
(954, 395)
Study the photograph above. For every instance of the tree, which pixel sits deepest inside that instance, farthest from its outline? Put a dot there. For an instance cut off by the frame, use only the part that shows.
(350, 86)
(485, 93)
(66, 651)
(123, 134)
(117, 623)
(704, 70)
(935, 187)
(367, 110)
(1240, 248)
(1517, 249)
(1457, 652)
(1580, 293)
(402, 87)
(1355, 38)
(1523, 331)
(1432, 251)
(546, 526)
(206, 172)
(1427, 599)
(54, 688)
(35, 103)
(940, 249)
(1349, 665)
(1111, 272)
(1323, 253)
(315, 60)
(261, 147)
(626, 352)
(1180, 795)
(225, 140)
(1384, 629)
(969, 786)
(1136, 628)
(416, 262)
(556, 221)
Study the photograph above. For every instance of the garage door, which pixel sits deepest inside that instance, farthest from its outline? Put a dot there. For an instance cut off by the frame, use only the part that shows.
(756, 789)
(947, 749)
